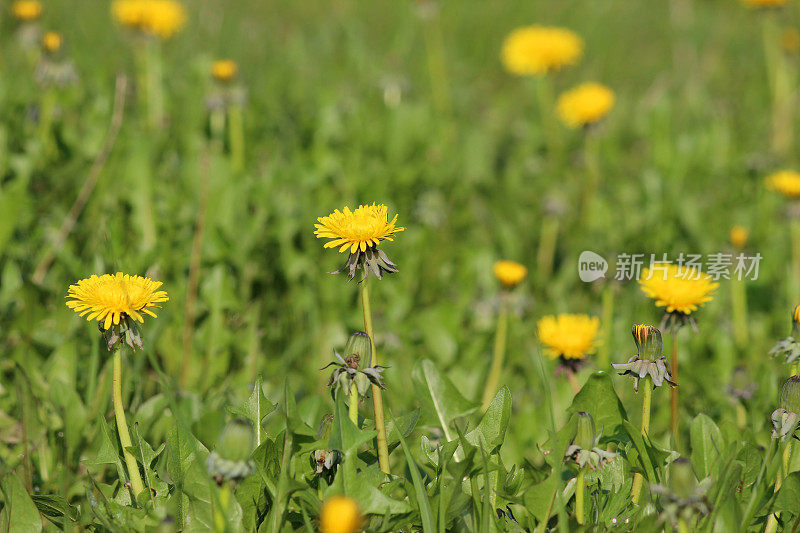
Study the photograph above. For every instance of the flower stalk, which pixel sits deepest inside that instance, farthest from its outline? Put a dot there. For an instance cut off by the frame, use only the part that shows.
(236, 136)
(547, 245)
(353, 408)
(739, 310)
(377, 398)
(673, 398)
(638, 479)
(122, 426)
(580, 489)
(499, 355)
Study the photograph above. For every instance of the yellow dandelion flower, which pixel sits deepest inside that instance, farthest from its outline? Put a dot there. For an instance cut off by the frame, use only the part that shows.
(790, 40)
(786, 182)
(537, 50)
(164, 18)
(739, 236)
(362, 228)
(339, 514)
(130, 13)
(764, 3)
(569, 336)
(224, 70)
(51, 41)
(108, 298)
(509, 273)
(26, 10)
(796, 315)
(585, 104)
(679, 289)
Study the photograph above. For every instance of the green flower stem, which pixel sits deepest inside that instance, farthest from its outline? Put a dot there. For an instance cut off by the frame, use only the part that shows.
(772, 522)
(673, 398)
(794, 228)
(739, 305)
(591, 150)
(437, 64)
(547, 245)
(780, 84)
(544, 94)
(46, 112)
(236, 136)
(377, 399)
(353, 411)
(154, 75)
(638, 479)
(122, 426)
(499, 354)
(607, 298)
(741, 415)
(580, 489)
(220, 514)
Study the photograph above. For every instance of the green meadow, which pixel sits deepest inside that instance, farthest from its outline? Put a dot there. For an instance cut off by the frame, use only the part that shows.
(121, 152)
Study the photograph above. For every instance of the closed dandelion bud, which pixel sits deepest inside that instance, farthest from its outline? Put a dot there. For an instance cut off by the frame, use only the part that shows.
(340, 514)
(796, 320)
(359, 350)
(790, 395)
(231, 459)
(648, 341)
(585, 436)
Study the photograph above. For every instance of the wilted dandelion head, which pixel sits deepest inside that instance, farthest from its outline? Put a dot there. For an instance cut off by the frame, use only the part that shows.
(738, 236)
(51, 42)
(537, 50)
(26, 10)
(764, 3)
(569, 336)
(108, 298)
(680, 289)
(224, 70)
(339, 514)
(509, 273)
(786, 182)
(585, 104)
(358, 229)
(162, 18)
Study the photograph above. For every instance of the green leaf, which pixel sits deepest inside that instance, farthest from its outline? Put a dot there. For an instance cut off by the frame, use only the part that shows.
(599, 399)
(492, 427)
(440, 400)
(19, 513)
(256, 408)
(419, 487)
(789, 494)
(707, 445)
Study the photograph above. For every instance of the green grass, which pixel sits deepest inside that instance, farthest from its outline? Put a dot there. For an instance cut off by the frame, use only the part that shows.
(682, 156)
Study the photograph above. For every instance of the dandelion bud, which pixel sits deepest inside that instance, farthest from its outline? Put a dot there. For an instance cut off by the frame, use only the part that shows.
(359, 346)
(231, 459)
(648, 341)
(586, 435)
(682, 481)
(790, 395)
(796, 320)
(340, 514)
